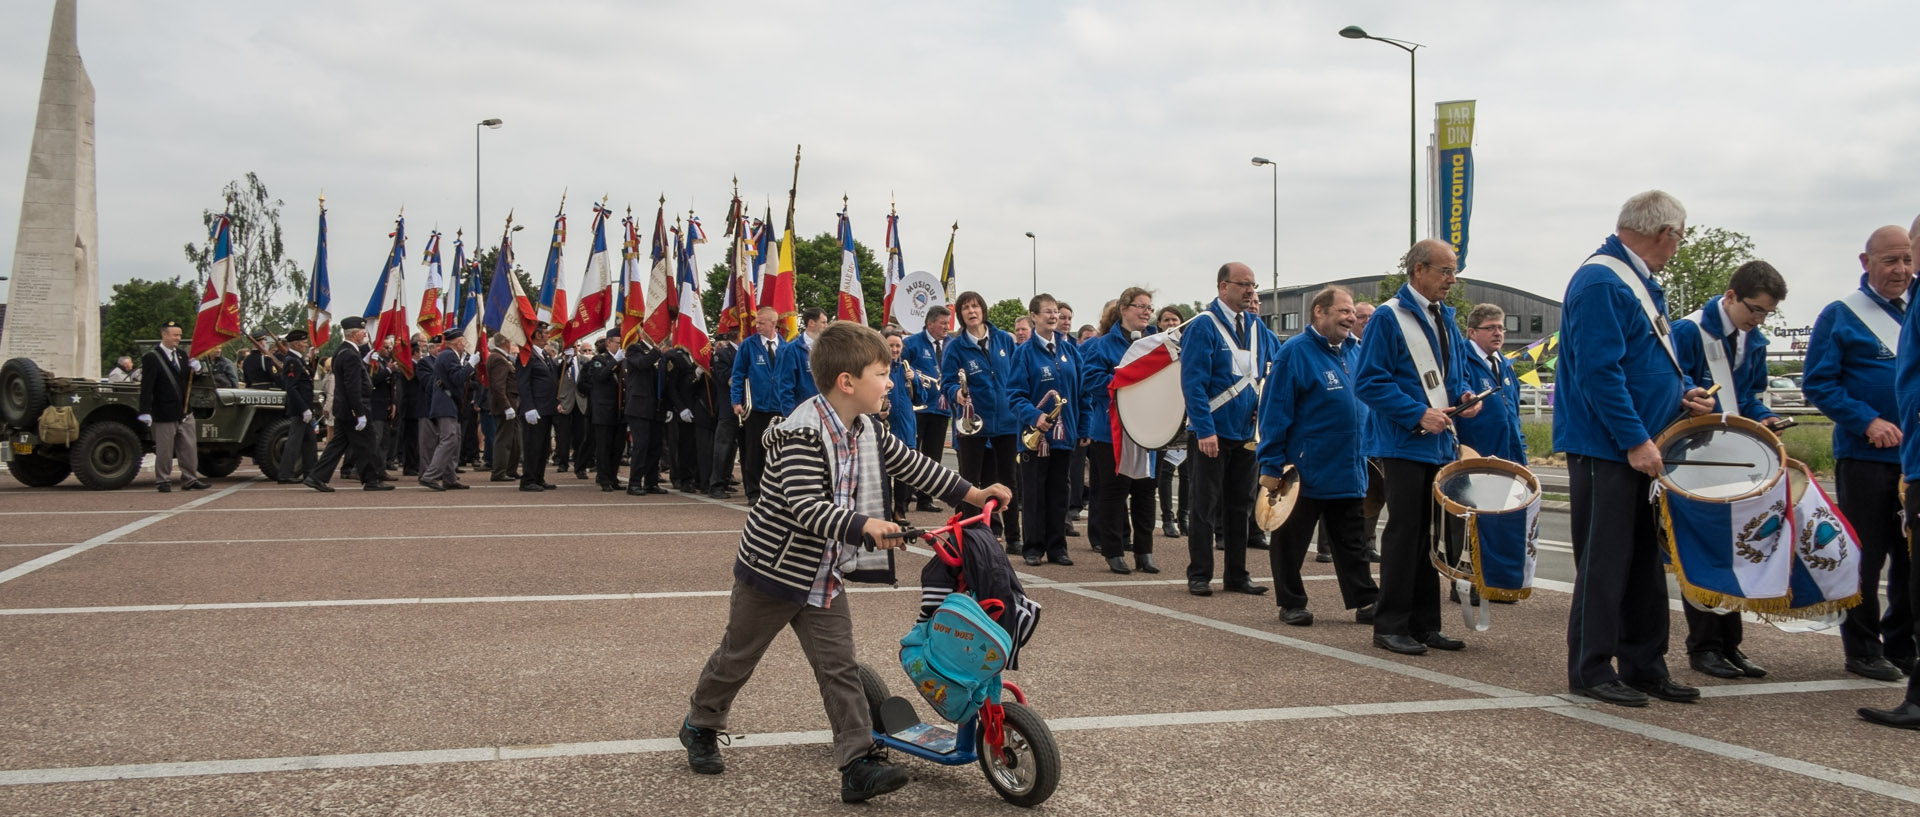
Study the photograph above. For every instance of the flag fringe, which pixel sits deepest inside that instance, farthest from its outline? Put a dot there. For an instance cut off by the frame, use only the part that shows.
(1778, 605)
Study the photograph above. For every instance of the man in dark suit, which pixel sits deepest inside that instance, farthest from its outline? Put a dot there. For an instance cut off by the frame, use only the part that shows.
(640, 367)
(539, 407)
(165, 378)
(257, 369)
(693, 419)
(381, 377)
(445, 380)
(502, 397)
(351, 385)
(726, 428)
(298, 457)
(600, 381)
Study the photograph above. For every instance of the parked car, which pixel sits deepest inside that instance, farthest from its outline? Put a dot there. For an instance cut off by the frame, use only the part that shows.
(1784, 392)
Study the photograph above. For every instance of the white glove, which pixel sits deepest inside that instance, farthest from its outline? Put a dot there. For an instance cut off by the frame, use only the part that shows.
(509, 415)
(146, 418)
(373, 357)
(533, 417)
(686, 415)
(194, 364)
(360, 423)
(473, 358)
(620, 354)
(306, 416)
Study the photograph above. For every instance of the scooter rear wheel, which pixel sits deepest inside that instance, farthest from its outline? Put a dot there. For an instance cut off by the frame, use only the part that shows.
(876, 691)
(1026, 769)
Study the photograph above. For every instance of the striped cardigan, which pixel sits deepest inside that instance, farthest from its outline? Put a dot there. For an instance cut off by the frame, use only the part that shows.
(787, 530)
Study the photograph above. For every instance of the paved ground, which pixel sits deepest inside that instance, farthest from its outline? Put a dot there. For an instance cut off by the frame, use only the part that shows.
(260, 649)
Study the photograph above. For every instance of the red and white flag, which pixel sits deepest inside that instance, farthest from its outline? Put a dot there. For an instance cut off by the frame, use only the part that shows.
(596, 287)
(431, 320)
(219, 318)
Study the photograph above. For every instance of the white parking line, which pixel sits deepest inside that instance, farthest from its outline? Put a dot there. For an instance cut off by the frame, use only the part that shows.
(66, 553)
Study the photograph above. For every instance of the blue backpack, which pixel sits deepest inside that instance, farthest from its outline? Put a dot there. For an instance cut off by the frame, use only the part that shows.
(955, 657)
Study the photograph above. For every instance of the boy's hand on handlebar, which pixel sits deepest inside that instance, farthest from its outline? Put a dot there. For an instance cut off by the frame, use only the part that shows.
(978, 496)
(876, 530)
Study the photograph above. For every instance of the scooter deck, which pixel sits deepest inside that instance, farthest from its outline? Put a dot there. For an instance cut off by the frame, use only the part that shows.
(900, 722)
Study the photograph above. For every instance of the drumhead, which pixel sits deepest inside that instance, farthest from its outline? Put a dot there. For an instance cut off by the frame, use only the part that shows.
(1486, 489)
(1153, 410)
(1742, 462)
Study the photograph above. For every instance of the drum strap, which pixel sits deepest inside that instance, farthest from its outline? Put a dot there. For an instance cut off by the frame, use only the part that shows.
(1632, 279)
(1717, 364)
(1243, 364)
(1412, 329)
(1877, 320)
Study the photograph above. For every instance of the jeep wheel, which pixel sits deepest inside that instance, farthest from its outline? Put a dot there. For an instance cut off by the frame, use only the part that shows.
(23, 392)
(219, 464)
(107, 456)
(266, 452)
(35, 471)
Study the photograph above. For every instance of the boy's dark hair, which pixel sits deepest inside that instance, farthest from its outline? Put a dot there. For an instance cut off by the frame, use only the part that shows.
(846, 347)
(1756, 277)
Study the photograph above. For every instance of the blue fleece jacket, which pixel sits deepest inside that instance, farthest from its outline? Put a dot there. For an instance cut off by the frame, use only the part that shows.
(1495, 431)
(1034, 374)
(1311, 416)
(793, 376)
(1749, 378)
(988, 365)
(1390, 386)
(900, 419)
(753, 366)
(1099, 356)
(1206, 370)
(1615, 386)
(917, 351)
(1849, 376)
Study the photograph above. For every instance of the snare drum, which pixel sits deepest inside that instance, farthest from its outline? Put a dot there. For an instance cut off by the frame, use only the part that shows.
(1500, 501)
(1722, 506)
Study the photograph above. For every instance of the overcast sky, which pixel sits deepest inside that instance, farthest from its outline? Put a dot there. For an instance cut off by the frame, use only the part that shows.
(1119, 133)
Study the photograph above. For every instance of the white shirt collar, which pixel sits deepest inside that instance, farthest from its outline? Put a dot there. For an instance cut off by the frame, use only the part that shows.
(1639, 264)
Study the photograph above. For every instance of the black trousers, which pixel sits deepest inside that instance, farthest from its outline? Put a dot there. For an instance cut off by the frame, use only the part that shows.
(1869, 496)
(298, 457)
(375, 466)
(753, 452)
(1409, 586)
(562, 448)
(1122, 517)
(692, 455)
(1712, 632)
(606, 453)
(1222, 496)
(1913, 583)
(410, 445)
(1169, 509)
(1287, 548)
(469, 438)
(1077, 479)
(647, 438)
(931, 433)
(536, 445)
(726, 440)
(1619, 587)
(1043, 509)
(582, 441)
(344, 438)
(984, 466)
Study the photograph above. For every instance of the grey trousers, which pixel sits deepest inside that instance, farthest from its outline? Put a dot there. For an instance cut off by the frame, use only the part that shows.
(506, 442)
(439, 448)
(826, 636)
(171, 441)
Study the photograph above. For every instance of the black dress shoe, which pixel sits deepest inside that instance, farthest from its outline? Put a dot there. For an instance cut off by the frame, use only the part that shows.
(455, 485)
(636, 491)
(926, 507)
(655, 489)
(1905, 663)
(1297, 616)
(1257, 542)
(1613, 692)
(1373, 556)
(502, 478)
(287, 482)
(1667, 689)
(1877, 668)
(533, 488)
(165, 487)
(1904, 716)
(607, 489)
(1061, 561)
(579, 474)
(376, 485)
(1323, 557)
(548, 486)
(1402, 644)
(1119, 565)
(1714, 664)
(1364, 615)
(1199, 588)
(1071, 530)
(1747, 667)
(1168, 530)
(317, 485)
(1143, 562)
(1441, 641)
(1249, 589)
(1034, 561)
(433, 486)
(197, 485)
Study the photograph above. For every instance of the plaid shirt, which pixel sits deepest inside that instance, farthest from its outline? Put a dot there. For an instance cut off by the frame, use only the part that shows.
(844, 443)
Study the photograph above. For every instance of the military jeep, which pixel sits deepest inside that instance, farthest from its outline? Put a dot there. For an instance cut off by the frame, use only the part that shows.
(112, 442)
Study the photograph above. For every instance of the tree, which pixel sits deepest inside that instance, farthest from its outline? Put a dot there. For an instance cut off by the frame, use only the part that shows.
(816, 279)
(1703, 266)
(138, 309)
(1004, 312)
(261, 269)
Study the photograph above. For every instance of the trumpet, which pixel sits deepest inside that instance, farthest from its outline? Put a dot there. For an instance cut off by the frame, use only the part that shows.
(969, 423)
(1033, 438)
(917, 381)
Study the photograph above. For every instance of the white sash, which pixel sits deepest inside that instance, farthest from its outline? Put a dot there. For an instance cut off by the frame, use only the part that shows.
(1632, 279)
(1428, 370)
(1717, 365)
(1883, 326)
(1243, 364)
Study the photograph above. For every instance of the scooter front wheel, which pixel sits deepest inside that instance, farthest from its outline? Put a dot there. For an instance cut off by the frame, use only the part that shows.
(1026, 769)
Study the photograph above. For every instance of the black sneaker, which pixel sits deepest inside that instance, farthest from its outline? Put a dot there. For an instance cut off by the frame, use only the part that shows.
(703, 748)
(870, 777)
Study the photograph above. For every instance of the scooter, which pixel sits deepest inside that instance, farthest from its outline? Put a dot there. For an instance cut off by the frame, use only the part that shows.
(1012, 744)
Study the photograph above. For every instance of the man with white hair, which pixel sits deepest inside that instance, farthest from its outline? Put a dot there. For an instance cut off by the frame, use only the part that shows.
(1619, 385)
(1907, 714)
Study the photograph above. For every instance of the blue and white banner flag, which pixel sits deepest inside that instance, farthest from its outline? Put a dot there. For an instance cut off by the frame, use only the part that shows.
(1730, 555)
(1826, 554)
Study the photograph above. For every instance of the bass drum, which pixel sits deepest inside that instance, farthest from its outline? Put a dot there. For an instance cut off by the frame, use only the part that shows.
(1153, 411)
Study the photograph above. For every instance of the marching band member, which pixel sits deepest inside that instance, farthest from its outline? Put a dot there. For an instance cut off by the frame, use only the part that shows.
(1849, 376)
(1223, 355)
(752, 391)
(1122, 506)
(1495, 431)
(984, 354)
(1906, 715)
(793, 368)
(924, 351)
(1311, 418)
(1409, 365)
(1619, 384)
(897, 413)
(1721, 343)
(1046, 365)
(1076, 472)
(1172, 460)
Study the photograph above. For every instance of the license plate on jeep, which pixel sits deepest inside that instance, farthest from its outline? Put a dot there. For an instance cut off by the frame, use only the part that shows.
(23, 448)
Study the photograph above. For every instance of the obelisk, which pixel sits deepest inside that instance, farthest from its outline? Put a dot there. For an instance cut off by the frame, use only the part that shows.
(53, 307)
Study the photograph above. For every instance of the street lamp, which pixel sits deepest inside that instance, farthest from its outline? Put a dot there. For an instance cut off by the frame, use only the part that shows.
(1258, 161)
(490, 124)
(1413, 148)
(1036, 265)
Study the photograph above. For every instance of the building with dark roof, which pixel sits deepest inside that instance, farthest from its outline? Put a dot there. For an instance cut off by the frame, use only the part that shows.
(1530, 317)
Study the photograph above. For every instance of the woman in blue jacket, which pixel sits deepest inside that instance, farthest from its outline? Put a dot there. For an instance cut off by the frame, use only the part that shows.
(985, 354)
(1044, 392)
(900, 419)
(1122, 505)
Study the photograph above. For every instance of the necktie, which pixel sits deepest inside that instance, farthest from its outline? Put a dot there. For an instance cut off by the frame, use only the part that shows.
(1240, 328)
(1049, 349)
(1900, 306)
(1441, 337)
(771, 348)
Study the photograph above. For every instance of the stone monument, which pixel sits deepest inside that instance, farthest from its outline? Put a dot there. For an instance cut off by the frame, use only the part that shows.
(53, 307)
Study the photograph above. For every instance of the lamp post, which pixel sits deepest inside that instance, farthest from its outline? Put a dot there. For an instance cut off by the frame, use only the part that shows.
(1413, 145)
(490, 124)
(1258, 161)
(1036, 265)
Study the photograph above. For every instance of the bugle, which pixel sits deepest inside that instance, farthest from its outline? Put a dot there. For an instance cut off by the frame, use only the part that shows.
(969, 423)
(1034, 438)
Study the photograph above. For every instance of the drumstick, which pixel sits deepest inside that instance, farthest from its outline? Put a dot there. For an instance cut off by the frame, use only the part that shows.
(1711, 463)
(1471, 400)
